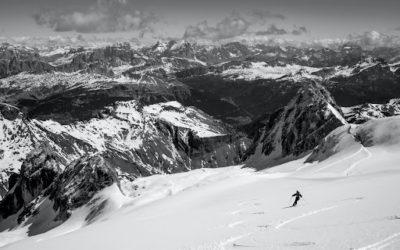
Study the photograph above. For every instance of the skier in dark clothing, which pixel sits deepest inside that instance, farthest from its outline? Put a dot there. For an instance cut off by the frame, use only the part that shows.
(297, 196)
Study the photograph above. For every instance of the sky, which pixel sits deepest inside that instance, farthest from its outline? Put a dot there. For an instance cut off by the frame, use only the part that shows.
(205, 19)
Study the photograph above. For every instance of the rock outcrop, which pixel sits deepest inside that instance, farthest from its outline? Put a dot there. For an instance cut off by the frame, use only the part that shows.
(37, 173)
(79, 182)
(43, 196)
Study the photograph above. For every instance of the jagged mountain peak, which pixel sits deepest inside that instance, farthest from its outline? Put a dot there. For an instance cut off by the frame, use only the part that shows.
(310, 92)
(297, 128)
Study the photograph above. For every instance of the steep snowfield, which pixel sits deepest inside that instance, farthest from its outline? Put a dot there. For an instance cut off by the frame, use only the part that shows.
(350, 201)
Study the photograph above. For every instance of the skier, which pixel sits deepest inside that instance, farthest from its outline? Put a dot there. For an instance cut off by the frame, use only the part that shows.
(297, 196)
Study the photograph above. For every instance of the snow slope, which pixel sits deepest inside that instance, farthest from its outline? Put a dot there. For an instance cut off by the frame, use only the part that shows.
(350, 202)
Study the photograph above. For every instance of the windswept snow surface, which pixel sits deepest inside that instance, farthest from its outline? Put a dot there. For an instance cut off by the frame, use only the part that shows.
(350, 201)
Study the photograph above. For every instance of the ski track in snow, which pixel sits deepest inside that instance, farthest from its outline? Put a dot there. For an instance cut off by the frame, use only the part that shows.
(244, 203)
(236, 223)
(231, 240)
(280, 225)
(236, 212)
(383, 243)
(355, 164)
(336, 162)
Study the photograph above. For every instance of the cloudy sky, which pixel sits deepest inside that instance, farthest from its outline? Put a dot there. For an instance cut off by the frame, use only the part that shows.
(201, 19)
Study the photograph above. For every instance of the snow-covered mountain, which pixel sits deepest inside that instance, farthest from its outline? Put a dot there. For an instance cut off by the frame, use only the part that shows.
(138, 140)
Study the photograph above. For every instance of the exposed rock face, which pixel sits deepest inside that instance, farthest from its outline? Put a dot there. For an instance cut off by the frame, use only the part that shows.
(37, 173)
(296, 129)
(14, 61)
(79, 182)
(9, 112)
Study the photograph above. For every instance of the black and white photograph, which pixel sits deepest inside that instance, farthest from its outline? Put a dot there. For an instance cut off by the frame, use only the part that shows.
(199, 125)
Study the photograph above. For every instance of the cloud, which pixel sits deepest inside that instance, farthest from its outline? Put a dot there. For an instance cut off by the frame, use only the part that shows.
(264, 15)
(229, 27)
(370, 39)
(104, 16)
(272, 30)
(275, 31)
(299, 31)
(236, 25)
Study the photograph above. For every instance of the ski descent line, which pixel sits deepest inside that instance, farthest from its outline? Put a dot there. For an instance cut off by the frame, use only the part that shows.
(304, 215)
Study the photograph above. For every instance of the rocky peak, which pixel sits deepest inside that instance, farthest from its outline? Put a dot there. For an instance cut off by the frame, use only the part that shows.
(37, 173)
(182, 49)
(296, 129)
(79, 182)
